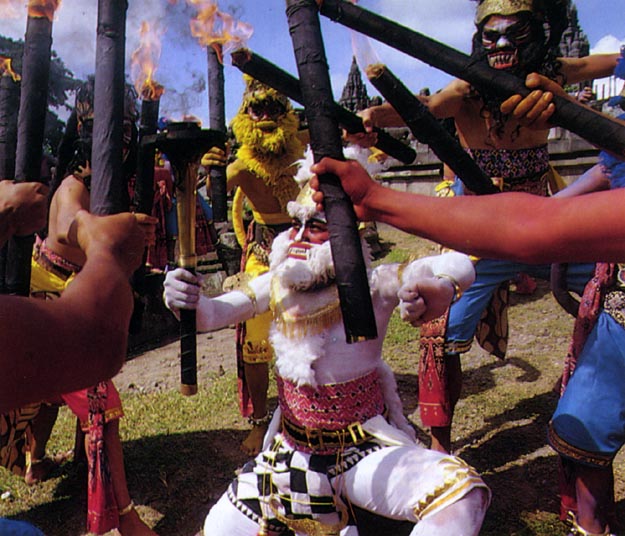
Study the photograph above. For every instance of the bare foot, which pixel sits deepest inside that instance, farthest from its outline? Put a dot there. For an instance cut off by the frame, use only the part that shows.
(131, 524)
(40, 470)
(254, 441)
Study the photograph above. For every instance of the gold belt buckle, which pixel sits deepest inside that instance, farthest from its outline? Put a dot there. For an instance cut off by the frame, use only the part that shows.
(356, 432)
(314, 433)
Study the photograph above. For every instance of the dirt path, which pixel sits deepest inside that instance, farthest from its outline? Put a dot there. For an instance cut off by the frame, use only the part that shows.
(159, 369)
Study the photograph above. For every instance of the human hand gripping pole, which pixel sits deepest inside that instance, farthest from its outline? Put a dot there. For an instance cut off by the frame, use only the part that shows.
(325, 140)
(184, 144)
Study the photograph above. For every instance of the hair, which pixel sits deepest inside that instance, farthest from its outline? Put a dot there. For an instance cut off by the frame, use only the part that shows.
(548, 20)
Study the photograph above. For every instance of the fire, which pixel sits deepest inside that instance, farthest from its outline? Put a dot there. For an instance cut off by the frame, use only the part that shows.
(7, 70)
(215, 28)
(43, 8)
(144, 62)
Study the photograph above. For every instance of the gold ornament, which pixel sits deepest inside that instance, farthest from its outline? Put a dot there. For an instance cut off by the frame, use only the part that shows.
(486, 8)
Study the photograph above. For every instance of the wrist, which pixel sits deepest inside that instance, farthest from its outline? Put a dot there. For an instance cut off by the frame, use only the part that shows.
(457, 290)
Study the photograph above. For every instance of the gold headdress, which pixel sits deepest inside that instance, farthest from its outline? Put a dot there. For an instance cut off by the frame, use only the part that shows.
(304, 207)
(486, 8)
(256, 91)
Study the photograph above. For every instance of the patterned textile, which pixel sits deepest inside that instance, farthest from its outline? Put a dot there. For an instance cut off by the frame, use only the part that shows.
(492, 329)
(284, 482)
(434, 403)
(311, 412)
(252, 336)
(15, 428)
(284, 488)
(515, 166)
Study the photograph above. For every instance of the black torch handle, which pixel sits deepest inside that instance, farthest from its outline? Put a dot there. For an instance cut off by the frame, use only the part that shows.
(270, 74)
(427, 129)
(325, 140)
(595, 127)
(188, 352)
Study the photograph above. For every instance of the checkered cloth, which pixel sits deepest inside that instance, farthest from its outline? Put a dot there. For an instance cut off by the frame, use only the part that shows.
(295, 484)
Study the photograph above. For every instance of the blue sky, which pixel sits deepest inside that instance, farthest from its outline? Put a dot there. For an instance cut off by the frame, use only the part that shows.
(183, 61)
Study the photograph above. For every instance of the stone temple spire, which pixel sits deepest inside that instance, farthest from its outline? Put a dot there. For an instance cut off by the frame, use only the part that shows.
(574, 43)
(354, 96)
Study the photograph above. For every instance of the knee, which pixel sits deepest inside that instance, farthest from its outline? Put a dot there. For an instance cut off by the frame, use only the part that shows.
(225, 520)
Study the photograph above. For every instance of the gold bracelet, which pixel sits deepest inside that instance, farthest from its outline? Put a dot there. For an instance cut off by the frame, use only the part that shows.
(249, 292)
(456, 285)
(127, 509)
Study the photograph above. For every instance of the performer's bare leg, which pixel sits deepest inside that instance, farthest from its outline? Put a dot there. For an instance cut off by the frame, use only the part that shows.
(40, 466)
(441, 435)
(257, 378)
(594, 488)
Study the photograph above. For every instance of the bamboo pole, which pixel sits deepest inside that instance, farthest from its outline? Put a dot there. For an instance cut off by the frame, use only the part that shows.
(427, 129)
(271, 75)
(595, 127)
(108, 188)
(325, 140)
(217, 121)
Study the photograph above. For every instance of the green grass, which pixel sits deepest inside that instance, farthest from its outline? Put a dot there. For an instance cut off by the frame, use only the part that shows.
(180, 453)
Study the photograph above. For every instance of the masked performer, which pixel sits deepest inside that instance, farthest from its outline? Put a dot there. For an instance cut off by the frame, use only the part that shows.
(339, 436)
(510, 36)
(55, 263)
(266, 129)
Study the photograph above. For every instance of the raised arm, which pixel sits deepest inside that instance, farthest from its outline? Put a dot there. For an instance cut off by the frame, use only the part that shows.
(513, 226)
(57, 346)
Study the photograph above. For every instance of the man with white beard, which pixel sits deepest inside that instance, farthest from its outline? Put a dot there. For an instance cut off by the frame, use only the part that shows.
(339, 437)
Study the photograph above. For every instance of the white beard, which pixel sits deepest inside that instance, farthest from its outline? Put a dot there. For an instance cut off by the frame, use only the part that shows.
(298, 274)
(317, 271)
(307, 282)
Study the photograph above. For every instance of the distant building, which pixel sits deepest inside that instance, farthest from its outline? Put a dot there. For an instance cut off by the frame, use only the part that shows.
(354, 96)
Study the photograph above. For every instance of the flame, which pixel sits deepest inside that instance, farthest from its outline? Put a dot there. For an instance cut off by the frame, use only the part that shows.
(215, 28)
(11, 9)
(7, 70)
(39, 9)
(144, 62)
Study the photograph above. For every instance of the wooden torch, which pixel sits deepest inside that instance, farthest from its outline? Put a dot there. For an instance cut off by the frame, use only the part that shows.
(184, 144)
(325, 140)
(595, 127)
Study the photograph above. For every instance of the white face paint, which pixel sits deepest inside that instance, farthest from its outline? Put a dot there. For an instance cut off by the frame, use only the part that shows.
(501, 38)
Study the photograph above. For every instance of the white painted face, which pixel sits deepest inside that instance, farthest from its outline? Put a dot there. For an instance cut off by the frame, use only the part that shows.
(502, 35)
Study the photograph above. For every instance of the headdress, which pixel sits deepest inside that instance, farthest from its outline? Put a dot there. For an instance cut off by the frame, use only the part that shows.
(256, 91)
(85, 95)
(304, 207)
(486, 8)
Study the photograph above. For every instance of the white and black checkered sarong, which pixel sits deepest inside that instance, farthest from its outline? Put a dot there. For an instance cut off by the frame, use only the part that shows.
(298, 484)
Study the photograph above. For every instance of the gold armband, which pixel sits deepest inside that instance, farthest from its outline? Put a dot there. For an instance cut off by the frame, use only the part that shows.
(241, 282)
(249, 292)
(456, 285)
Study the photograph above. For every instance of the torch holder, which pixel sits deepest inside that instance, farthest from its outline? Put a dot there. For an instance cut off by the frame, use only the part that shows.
(184, 144)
